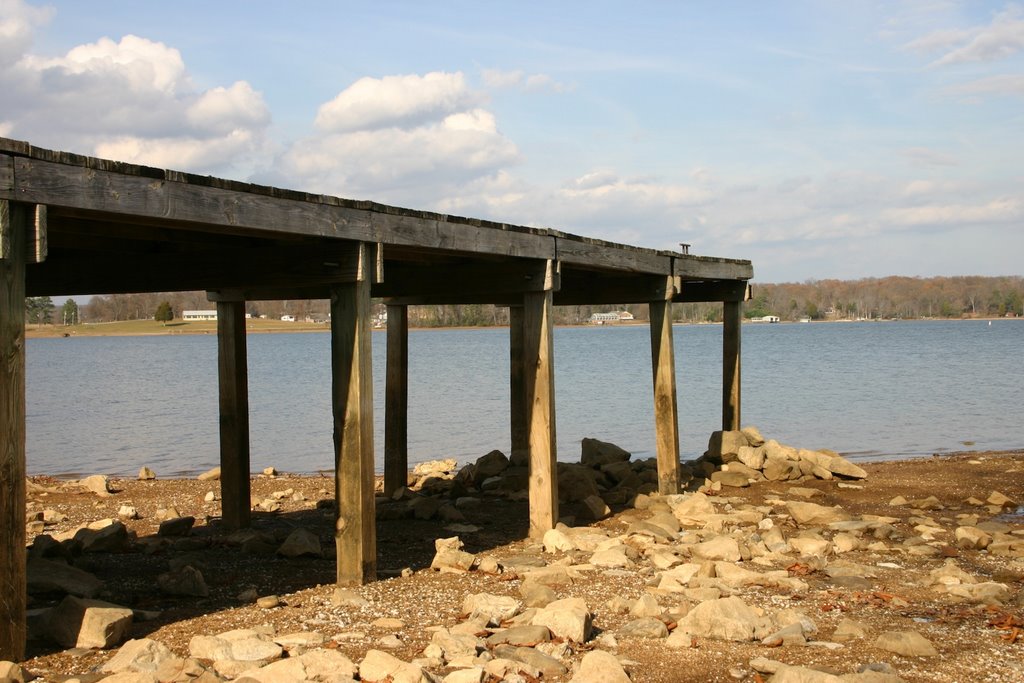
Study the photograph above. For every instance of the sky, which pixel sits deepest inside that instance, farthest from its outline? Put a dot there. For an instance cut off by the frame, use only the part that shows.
(818, 139)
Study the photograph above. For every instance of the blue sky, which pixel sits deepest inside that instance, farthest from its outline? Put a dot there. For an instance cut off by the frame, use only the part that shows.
(818, 139)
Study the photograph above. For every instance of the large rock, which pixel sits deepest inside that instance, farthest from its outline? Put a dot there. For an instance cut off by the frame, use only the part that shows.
(548, 666)
(449, 556)
(301, 543)
(144, 654)
(11, 672)
(599, 666)
(47, 576)
(107, 536)
(840, 466)
(906, 643)
(490, 465)
(812, 514)
(596, 453)
(494, 608)
(644, 627)
(575, 483)
(239, 645)
(724, 446)
(567, 618)
(81, 622)
(315, 665)
(380, 666)
(717, 548)
(184, 581)
(526, 635)
(97, 483)
(726, 619)
(692, 509)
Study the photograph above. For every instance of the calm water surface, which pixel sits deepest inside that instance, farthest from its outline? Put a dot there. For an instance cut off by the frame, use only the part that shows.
(869, 390)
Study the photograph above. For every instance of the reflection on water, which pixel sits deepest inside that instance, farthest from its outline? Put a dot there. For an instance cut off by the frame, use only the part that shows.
(869, 390)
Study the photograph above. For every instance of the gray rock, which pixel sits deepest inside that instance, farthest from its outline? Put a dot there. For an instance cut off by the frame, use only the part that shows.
(184, 581)
(177, 526)
(490, 465)
(645, 627)
(567, 618)
(595, 507)
(239, 645)
(454, 645)
(842, 467)
(144, 654)
(449, 556)
(726, 619)
(526, 635)
(494, 608)
(596, 453)
(599, 666)
(906, 643)
(536, 594)
(730, 478)
(724, 446)
(14, 673)
(575, 483)
(97, 483)
(344, 597)
(547, 665)
(812, 514)
(301, 543)
(210, 475)
(379, 666)
(108, 538)
(81, 622)
(848, 629)
(47, 576)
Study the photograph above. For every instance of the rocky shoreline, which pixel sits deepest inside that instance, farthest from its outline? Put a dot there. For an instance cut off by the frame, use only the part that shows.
(777, 564)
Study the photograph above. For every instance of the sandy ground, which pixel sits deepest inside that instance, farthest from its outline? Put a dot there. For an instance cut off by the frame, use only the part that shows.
(976, 642)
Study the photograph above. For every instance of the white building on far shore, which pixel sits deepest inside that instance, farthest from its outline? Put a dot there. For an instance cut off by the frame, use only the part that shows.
(199, 315)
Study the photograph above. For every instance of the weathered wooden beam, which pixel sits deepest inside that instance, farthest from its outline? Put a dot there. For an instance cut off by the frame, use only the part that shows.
(711, 290)
(68, 273)
(14, 225)
(396, 401)
(591, 252)
(518, 424)
(455, 280)
(93, 189)
(539, 385)
(6, 177)
(352, 401)
(732, 318)
(233, 380)
(666, 415)
(277, 293)
(690, 267)
(580, 288)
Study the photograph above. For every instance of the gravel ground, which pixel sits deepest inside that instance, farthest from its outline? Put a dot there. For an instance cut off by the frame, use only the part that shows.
(975, 642)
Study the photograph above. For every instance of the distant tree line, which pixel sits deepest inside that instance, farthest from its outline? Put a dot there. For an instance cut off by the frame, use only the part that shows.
(871, 298)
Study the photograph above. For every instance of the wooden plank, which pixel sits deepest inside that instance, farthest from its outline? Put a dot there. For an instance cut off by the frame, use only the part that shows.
(37, 245)
(519, 428)
(6, 177)
(732, 317)
(352, 402)
(578, 250)
(396, 401)
(666, 415)
(711, 290)
(233, 379)
(580, 288)
(539, 385)
(103, 191)
(13, 585)
(690, 267)
(67, 273)
(6, 234)
(454, 280)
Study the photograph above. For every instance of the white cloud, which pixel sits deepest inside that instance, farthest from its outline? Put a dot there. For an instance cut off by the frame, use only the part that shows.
(372, 103)
(1003, 37)
(1002, 84)
(17, 21)
(1002, 210)
(133, 100)
(924, 156)
(499, 79)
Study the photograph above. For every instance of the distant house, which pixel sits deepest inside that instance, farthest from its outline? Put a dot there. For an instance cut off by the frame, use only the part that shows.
(288, 318)
(612, 317)
(199, 315)
(766, 319)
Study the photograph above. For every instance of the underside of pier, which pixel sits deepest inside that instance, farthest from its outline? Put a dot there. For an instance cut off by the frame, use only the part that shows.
(73, 225)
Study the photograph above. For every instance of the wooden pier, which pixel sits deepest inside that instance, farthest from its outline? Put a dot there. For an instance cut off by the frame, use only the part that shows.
(72, 225)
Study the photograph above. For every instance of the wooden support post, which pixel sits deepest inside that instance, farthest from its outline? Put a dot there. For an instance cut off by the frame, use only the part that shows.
(234, 414)
(733, 311)
(396, 401)
(539, 386)
(666, 415)
(352, 400)
(14, 220)
(520, 431)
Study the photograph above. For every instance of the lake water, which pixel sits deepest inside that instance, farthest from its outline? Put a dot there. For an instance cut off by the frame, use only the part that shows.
(869, 390)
